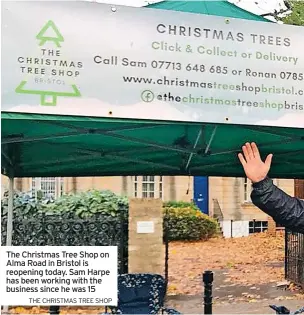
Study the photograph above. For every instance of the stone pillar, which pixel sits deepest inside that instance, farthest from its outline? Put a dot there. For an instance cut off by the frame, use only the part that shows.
(272, 227)
(146, 248)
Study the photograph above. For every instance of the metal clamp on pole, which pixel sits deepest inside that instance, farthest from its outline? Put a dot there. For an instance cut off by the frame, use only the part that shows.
(208, 280)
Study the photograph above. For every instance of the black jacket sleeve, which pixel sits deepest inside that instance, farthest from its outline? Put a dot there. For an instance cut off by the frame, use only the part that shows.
(285, 210)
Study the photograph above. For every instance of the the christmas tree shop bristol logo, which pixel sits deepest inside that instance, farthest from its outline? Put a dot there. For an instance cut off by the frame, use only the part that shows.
(49, 34)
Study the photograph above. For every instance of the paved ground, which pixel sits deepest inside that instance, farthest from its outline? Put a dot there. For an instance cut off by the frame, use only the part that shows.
(193, 305)
(237, 299)
(255, 308)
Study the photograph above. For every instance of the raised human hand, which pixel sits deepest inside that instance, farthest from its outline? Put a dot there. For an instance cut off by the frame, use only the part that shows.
(255, 169)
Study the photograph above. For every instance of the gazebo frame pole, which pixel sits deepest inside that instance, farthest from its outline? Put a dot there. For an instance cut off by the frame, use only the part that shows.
(9, 226)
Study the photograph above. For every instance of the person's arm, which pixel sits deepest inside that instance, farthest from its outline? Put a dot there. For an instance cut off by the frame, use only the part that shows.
(286, 210)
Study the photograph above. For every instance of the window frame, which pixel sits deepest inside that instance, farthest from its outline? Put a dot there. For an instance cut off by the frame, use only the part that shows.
(148, 187)
(246, 191)
(49, 186)
(257, 226)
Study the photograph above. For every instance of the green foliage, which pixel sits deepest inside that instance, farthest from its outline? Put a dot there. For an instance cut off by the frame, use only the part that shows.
(24, 205)
(82, 205)
(88, 204)
(180, 204)
(83, 219)
(297, 15)
(189, 224)
(184, 220)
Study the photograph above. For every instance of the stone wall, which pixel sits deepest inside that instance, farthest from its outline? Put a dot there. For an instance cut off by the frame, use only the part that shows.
(146, 250)
(229, 192)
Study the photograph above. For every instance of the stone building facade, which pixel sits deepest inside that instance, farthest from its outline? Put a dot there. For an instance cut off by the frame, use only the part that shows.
(228, 198)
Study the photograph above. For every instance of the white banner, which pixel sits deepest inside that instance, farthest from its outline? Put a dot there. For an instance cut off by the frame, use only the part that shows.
(82, 58)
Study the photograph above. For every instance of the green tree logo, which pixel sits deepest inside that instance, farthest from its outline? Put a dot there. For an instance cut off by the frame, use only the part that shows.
(49, 33)
(50, 27)
(45, 95)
